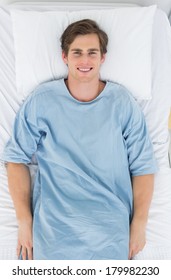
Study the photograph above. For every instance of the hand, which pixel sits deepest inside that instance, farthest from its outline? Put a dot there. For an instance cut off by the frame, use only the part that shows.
(25, 243)
(137, 237)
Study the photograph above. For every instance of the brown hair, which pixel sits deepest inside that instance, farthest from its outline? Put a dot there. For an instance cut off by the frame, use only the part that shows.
(83, 27)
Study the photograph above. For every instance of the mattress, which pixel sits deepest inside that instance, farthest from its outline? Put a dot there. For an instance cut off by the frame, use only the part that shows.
(158, 245)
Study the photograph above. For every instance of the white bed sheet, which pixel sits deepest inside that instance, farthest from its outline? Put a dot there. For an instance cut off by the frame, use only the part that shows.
(8, 224)
(158, 231)
(159, 225)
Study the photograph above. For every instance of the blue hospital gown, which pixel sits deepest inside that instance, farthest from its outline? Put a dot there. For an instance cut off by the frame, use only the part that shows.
(86, 153)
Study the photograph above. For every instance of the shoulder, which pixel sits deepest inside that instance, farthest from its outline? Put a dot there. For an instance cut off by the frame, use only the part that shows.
(128, 108)
(41, 97)
(120, 93)
(47, 87)
(44, 92)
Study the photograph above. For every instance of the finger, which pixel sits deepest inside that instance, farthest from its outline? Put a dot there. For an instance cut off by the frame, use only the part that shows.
(30, 253)
(18, 249)
(130, 254)
(132, 251)
(24, 253)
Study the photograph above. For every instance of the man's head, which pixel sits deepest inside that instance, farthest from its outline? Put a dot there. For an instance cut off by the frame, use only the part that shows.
(83, 27)
(84, 46)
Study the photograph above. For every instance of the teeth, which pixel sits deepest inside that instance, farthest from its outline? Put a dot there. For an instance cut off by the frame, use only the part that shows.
(84, 69)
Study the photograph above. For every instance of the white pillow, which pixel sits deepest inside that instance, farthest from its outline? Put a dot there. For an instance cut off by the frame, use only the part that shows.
(38, 52)
(157, 110)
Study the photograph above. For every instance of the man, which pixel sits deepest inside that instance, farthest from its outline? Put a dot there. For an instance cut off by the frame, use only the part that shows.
(94, 158)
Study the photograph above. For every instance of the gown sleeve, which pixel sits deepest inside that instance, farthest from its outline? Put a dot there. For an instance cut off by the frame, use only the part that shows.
(26, 134)
(137, 140)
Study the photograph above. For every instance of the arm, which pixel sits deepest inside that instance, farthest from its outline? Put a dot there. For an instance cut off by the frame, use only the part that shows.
(20, 188)
(142, 195)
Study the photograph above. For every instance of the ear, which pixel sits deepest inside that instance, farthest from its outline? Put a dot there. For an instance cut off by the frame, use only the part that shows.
(64, 57)
(103, 58)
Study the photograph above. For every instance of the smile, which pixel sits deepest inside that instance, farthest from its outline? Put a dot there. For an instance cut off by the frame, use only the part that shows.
(84, 69)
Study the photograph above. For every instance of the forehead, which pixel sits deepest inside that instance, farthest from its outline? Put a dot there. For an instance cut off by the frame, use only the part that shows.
(87, 41)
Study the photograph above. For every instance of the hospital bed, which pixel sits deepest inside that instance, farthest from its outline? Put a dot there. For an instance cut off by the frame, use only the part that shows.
(18, 77)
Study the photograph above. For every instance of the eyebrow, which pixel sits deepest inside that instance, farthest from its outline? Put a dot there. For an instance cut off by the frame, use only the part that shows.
(80, 50)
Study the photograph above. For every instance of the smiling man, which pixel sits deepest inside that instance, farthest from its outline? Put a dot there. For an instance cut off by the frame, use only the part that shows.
(94, 182)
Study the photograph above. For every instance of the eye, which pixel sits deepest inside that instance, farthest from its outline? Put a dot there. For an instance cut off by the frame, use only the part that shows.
(77, 53)
(92, 53)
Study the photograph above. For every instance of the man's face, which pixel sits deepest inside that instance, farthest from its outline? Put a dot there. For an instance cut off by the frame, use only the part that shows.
(84, 58)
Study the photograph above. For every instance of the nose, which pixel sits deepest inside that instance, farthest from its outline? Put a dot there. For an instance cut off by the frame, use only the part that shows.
(84, 59)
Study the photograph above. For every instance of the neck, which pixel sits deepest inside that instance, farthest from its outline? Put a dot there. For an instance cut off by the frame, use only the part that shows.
(85, 91)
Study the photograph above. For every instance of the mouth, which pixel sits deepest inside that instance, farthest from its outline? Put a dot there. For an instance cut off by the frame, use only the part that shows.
(84, 70)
